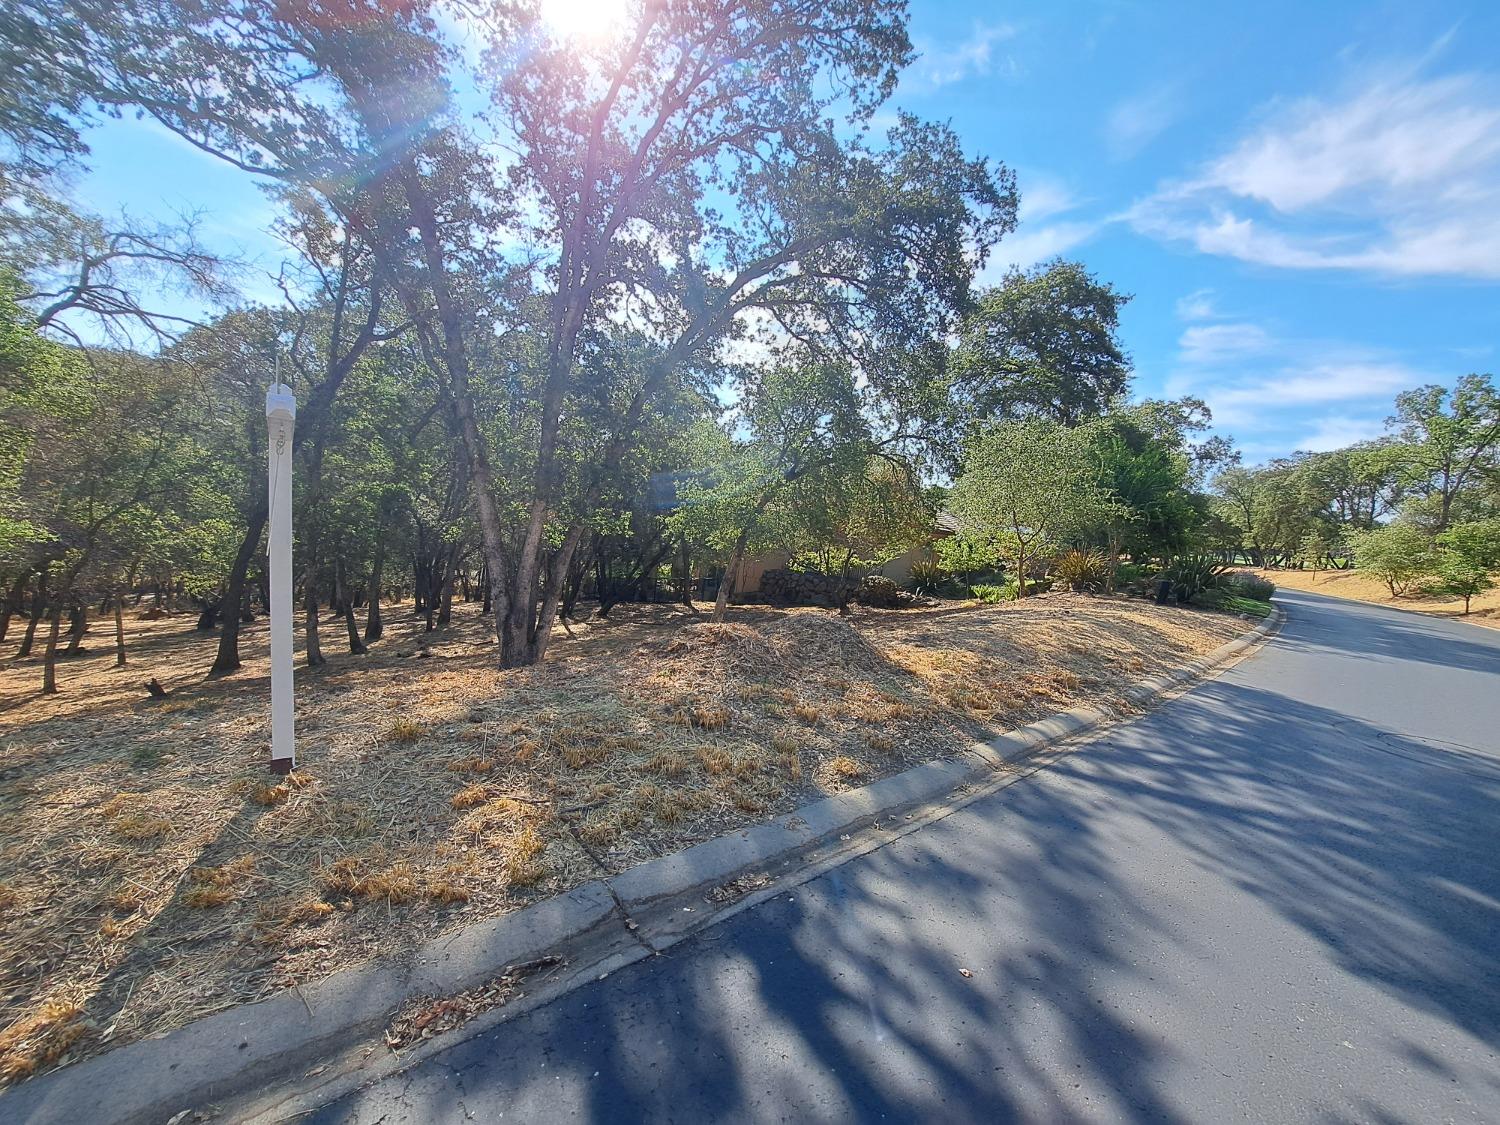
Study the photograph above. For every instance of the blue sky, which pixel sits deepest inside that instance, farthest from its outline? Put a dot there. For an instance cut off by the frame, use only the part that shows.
(1304, 199)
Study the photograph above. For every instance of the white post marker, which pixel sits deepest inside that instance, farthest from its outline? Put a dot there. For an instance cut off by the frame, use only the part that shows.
(281, 417)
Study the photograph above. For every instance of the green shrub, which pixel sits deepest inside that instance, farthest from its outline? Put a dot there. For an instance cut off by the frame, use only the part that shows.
(1193, 575)
(1250, 586)
(1229, 602)
(992, 594)
(927, 574)
(1397, 554)
(1082, 570)
(1477, 543)
(1128, 572)
(878, 591)
(1459, 577)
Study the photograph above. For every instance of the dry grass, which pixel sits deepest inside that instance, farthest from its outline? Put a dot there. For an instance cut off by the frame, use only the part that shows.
(151, 871)
(404, 731)
(1484, 608)
(39, 1039)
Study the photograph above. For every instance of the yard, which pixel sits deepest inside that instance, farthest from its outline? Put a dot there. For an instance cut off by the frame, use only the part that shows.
(1485, 608)
(153, 871)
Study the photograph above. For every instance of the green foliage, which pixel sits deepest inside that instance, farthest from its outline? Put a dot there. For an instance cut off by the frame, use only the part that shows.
(990, 594)
(1251, 586)
(1025, 486)
(1193, 575)
(963, 556)
(858, 515)
(1149, 478)
(1398, 554)
(1042, 344)
(1477, 543)
(925, 574)
(1081, 570)
(43, 394)
(1272, 508)
(1460, 577)
(1317, 545)
(1451, 444)
(1230, 602)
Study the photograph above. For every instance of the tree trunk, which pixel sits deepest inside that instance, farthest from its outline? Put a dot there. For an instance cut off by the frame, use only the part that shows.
(419, 586)
(556, 575)
(731, 576)
(78, 625)
(38, 608)
(310, 607)
(14, 599)
(445, 606)
(602, 588)
(455, 362)
(845, 591)
(119, 628)
(685, 562)
(345, 599)
(1020, 575)
(374, 626)
(437, 582)
(49, 658)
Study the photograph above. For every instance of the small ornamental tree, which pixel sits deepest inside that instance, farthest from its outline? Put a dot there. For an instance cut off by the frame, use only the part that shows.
(1477, 543)
(1026, 486)
(855, 517)
(964, 556)
(1459, 577)
(806, 430)
(1397, 554)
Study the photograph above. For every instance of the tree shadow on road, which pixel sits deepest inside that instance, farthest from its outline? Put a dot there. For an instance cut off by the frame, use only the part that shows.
(843, 999)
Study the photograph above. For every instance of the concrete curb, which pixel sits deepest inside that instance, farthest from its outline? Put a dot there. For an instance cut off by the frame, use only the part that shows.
(603, 924)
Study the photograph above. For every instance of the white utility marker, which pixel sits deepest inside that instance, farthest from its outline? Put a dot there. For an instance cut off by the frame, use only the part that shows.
(281, 417)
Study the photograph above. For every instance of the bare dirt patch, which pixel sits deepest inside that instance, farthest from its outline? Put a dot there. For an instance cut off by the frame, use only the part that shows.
(152, 871)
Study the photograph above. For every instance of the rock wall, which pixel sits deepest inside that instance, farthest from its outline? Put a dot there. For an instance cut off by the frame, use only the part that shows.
(803, 587)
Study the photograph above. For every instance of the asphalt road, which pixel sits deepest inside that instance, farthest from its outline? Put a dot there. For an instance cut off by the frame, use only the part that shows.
(1276, 898)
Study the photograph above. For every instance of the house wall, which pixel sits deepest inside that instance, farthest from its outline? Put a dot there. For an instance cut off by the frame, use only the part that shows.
(752, 568)
(898, 570)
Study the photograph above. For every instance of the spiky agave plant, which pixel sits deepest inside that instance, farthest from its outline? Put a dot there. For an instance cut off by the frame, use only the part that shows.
(1192, 575)
(1082, 570)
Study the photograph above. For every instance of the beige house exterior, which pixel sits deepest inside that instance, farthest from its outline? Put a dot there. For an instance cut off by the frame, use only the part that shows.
(898, 570)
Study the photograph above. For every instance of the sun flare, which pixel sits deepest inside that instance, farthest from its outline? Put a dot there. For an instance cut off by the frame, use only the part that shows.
(587, 20)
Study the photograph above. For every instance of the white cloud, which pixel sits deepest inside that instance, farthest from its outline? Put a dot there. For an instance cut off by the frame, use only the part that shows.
(1258, 382)
(1028, 247)
(939, 66)
(1338, 430)
(1135, 122)
(1400, 177)
(1320, 383)
(1211, 343)
(1035, 238)
(1043, 196)
(1197, 305)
